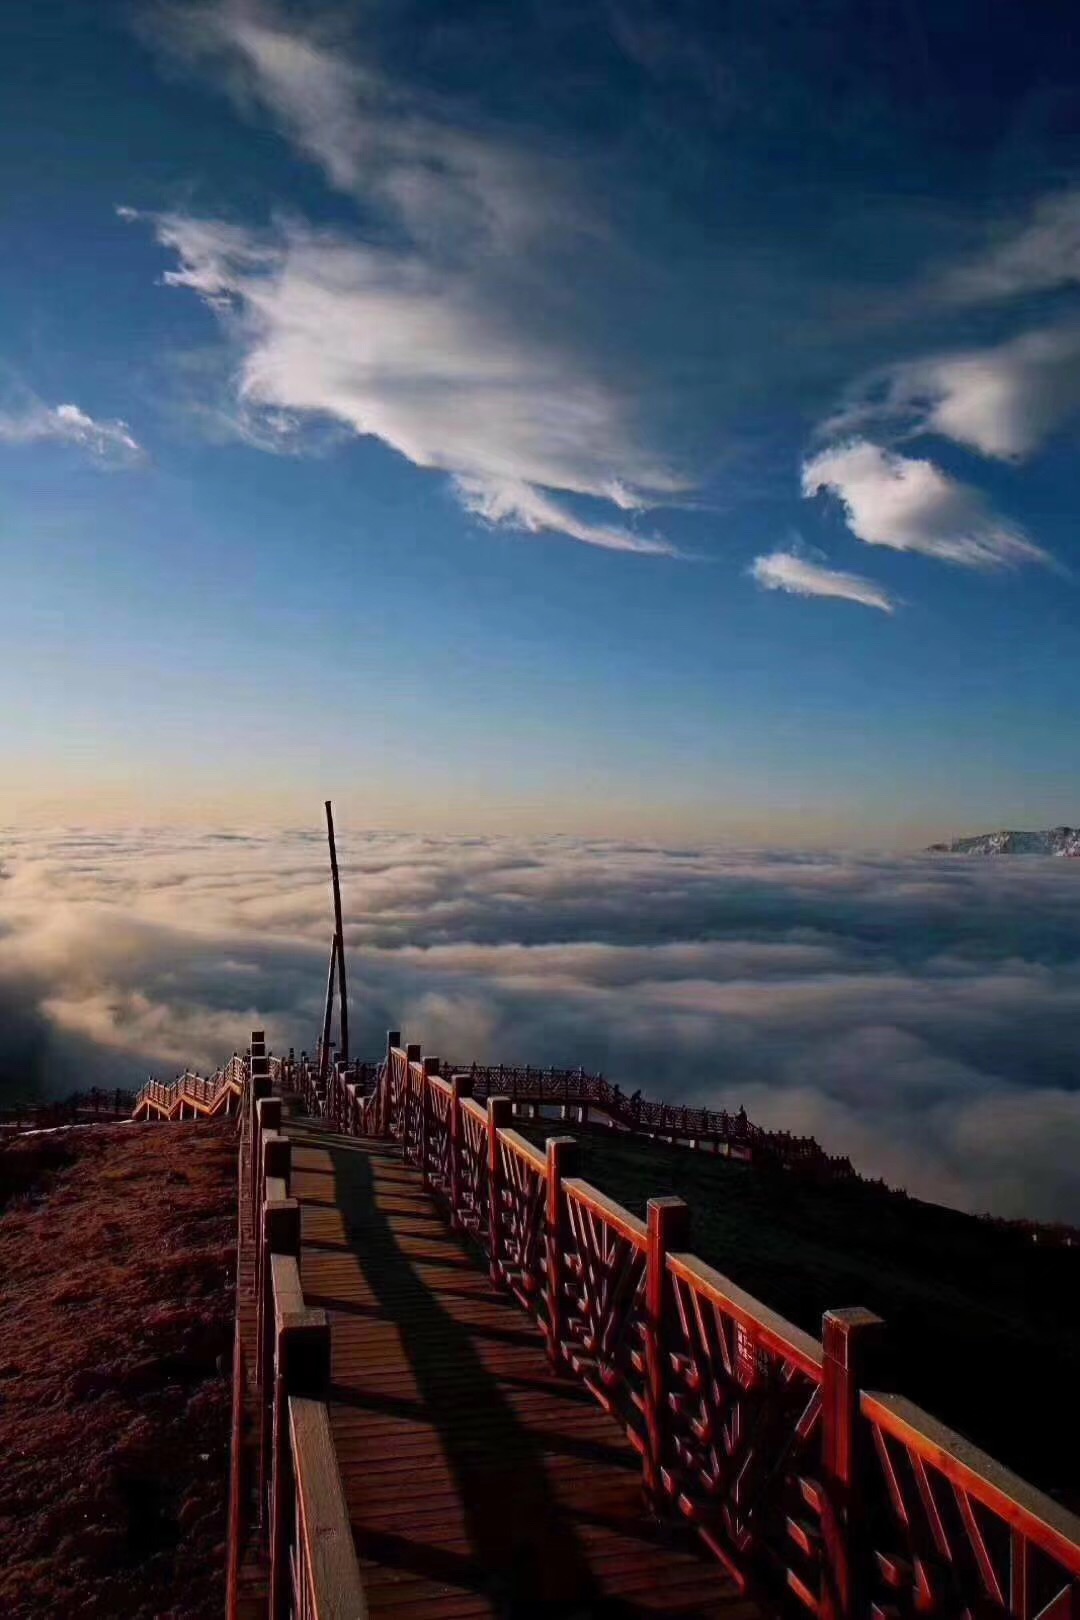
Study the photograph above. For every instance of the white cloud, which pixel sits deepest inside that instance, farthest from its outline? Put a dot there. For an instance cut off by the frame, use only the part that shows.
(1002, 401)
(109, 442)
(525, 507)
(1042, 255)
(787, 571)
(452, 188)
(909, 504)
(384, 343)
(432, 324)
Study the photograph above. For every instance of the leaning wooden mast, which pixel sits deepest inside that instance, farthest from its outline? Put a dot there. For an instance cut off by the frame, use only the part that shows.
(337, 959)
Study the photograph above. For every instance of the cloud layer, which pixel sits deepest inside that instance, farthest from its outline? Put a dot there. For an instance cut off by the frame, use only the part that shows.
(917, 1013)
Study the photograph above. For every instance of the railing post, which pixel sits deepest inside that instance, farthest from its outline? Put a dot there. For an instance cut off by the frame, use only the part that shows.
(668, 1225)
(852, 1340)
(561, 1161)
(301, 1367)
(499, 1115)
(279, 1234)
(431, 1066)
(266, 1116)
(258, 1076)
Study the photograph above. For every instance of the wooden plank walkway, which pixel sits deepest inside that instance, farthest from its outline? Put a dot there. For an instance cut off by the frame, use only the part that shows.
(479, 1483)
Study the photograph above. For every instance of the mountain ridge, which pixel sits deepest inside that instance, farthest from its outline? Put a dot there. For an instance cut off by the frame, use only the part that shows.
(1063, 841)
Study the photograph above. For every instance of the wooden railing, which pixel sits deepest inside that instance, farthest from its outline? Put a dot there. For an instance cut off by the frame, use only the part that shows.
(817, 1492)
(191, 1096)
(592, 1098)
(301, 1505)
(649, 1116)
(77, 1108)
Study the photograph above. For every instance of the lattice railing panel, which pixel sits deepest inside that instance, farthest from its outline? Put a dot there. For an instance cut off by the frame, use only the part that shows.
(604, 1267)
(473, 1178)
(954, 1534)
(523, 1219)
(437, 1144)
(742, 1436)
(413, 1113)
(398, 1082)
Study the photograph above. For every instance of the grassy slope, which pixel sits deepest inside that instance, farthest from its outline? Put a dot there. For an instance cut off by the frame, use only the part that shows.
(117, 1248)
(984, 1328)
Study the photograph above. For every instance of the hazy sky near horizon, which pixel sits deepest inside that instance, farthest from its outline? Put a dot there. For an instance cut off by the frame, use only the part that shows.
(655, 418)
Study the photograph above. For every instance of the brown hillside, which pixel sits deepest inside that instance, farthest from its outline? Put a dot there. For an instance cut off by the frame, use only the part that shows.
(117, 1249)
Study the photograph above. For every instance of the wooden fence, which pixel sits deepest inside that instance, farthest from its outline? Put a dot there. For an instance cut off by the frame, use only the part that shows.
(190, 1096)
(301, 1509)
(817, 1490)
(97, 1104)
(592, 1096)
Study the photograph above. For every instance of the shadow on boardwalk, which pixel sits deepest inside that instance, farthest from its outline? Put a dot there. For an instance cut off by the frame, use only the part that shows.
(479, 1482)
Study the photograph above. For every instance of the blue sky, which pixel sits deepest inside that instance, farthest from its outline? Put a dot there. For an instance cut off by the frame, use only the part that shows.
(650, 419)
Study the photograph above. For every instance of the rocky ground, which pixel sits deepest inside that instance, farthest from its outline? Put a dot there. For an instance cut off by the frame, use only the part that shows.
(117, 1257)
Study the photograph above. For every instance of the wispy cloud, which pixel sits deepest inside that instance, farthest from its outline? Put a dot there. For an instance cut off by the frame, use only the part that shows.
(1039, 255)
(523, 506)
(788, 571)
(417, 326)
(382, 342)
(111, 443)
(909, 504)
(1002, 401)
(449, 186)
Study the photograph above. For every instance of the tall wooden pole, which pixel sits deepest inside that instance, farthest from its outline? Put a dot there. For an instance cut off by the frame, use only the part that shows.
(328, 1013)
(339, 935)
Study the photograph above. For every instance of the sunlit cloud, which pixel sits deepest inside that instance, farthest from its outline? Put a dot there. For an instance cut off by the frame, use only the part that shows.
(1004, 401)
(417, 327)
(908, 504)
(788, 571)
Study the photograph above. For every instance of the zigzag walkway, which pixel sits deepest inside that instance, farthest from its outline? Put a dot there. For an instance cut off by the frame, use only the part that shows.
(478, 1482)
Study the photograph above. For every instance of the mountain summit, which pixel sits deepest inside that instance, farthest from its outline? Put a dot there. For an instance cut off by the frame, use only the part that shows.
(1054, 841)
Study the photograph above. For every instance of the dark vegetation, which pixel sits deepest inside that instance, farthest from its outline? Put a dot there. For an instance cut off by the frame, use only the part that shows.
(983, 1324)
(117, 1257)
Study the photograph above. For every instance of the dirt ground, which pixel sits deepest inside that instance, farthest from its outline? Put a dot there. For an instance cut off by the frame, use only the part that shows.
(117, 1259)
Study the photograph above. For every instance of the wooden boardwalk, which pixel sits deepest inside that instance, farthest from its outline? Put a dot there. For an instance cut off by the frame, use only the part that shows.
(478, 1482)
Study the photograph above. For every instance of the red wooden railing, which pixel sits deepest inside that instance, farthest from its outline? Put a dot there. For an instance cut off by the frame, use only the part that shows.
(816, 1491)
(303, 1518)
(190, 1096)
(592, 1101)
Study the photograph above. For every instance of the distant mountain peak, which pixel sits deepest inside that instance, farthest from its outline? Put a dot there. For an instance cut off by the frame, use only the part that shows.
(1053, 841)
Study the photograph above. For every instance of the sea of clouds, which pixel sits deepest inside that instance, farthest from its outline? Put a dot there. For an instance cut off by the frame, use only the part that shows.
(919, 1013)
